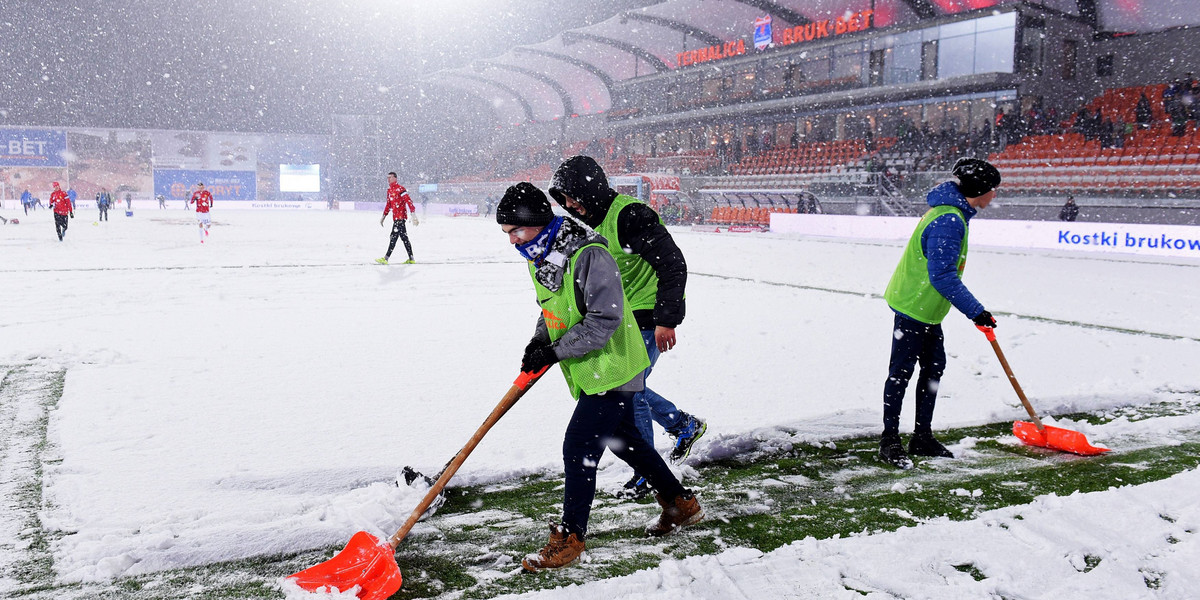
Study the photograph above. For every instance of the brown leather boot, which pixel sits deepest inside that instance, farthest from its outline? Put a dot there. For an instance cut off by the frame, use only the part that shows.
(560, 551)
(679, 512)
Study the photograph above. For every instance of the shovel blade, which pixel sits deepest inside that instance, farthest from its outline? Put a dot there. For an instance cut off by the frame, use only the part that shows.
(1055, 438)
(366, 561)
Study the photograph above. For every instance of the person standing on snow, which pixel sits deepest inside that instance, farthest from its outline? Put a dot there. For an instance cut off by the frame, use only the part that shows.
(585, 326)
(103, 203)
(926, 283)
(61, 203)
(653, 273)
(399, 204)
(204, 202)
(26, 200)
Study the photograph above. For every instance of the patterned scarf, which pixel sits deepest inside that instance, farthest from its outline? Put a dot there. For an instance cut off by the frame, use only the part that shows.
(552, 248)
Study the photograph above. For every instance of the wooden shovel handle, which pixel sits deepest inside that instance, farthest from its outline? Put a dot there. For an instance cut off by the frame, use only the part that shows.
(990, 332)
(518, 389)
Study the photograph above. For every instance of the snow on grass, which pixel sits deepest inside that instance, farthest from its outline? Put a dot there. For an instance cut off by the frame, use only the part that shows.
(1065, 547)
(257, 395)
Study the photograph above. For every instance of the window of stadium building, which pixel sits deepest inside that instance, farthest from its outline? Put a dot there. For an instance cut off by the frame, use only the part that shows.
(811, 72)
(710, 89)
(984, 45)
(848, 62)
(774, 79)
(743, 84)
(977, 46)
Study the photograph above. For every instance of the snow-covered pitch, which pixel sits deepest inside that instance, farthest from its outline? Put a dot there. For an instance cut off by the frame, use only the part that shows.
(258, 393)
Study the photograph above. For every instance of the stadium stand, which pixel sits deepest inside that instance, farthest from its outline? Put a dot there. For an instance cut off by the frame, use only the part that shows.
(868, 121)
(741, 215)
(1147, 162)
(814, 157)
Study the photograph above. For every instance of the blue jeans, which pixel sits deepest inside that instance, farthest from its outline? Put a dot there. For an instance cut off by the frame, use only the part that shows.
(649, 407)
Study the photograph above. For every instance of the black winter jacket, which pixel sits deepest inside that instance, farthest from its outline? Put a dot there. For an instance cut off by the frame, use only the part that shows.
(639, 230)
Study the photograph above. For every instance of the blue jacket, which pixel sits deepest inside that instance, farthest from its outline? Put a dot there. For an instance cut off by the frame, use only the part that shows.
(942, 241)
(26, 197)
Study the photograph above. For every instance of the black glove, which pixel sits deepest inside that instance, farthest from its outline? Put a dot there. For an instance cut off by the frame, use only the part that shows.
(538, 357)
(985, 319)
(534, 343)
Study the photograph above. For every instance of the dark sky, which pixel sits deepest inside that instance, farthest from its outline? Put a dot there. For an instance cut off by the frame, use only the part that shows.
(241, 65)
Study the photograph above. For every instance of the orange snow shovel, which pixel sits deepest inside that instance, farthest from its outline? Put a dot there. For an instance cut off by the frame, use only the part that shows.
(368, 562)
(1037, 434)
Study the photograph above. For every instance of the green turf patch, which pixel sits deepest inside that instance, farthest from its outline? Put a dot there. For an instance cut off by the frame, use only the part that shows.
(26, 444)
(972, 570)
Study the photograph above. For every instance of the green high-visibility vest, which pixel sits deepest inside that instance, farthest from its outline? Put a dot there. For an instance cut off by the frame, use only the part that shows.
(619, 361)
(910, 292)
(638, 278)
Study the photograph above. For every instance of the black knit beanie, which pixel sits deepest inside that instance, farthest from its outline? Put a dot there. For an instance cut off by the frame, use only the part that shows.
(524, 205)
(976, 177)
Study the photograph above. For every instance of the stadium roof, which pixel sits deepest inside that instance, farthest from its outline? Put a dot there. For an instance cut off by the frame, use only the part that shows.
(573, 73)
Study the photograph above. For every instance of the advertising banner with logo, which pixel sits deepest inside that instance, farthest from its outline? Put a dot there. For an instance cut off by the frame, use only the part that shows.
(762, 32)
(20, 147)
(178, 184)
(1125, 238)
(765, 36)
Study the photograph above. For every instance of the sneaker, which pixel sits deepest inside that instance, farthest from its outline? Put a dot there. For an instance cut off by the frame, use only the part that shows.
(382, 261)
(560, 551)
(635, 489)
(409, 261)
(892, 452)
(693, 431)
(679, 512)
(924, 444)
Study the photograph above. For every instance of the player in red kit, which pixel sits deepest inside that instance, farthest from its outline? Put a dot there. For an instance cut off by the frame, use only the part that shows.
(204, 201)
(399, 204)
(61, 203)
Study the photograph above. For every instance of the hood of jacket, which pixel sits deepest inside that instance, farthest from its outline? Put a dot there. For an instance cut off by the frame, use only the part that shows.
(947, 194)
(581, 178)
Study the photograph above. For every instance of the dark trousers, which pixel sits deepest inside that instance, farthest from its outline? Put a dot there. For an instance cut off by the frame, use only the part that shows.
(605, 421)
(399, 231)
(60, 225)
(103, 213)
(913, 342)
